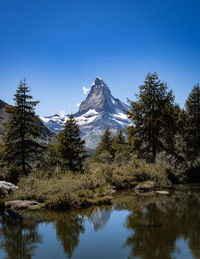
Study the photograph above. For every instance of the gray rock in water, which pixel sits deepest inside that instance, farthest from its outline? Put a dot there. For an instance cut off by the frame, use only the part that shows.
(22, 204)
(8, 186)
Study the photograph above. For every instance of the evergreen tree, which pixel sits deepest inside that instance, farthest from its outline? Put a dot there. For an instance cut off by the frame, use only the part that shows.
(119, 138)
(105, 147)
(153, 117)
(192, 127)
(121, 149)
(132, 138)
(70, 147)
(118, 141)
(23, 129)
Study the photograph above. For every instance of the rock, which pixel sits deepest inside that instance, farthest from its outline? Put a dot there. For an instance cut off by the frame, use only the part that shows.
(163, 192)
(146, 194)
(145, 186)
(8, 186)
(23, 204)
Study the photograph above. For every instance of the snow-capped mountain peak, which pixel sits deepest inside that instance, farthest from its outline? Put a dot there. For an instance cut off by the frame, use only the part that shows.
(97, 112)
(101, 99)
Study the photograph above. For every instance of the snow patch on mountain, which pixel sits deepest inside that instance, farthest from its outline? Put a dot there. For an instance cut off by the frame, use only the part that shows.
(55, 122)
(87, 118)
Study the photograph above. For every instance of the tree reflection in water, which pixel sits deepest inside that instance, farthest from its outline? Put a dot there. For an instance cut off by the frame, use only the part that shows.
(158, 222)
(68, 228)
(69, 225)
(18, 235)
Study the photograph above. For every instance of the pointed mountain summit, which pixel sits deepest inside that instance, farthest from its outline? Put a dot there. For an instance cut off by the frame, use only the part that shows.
(99, 111)
(100, 99)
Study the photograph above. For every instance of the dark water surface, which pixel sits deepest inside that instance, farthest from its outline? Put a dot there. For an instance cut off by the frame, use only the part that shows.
(151, 227)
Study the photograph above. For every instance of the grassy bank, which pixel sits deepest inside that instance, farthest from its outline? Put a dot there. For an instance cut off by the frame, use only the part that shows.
(58, 189)
(63, 190)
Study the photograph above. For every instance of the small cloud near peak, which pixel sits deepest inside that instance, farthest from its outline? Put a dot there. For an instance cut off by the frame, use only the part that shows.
(86, 90)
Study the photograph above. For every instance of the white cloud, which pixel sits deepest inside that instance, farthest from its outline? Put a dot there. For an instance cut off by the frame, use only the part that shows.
(78, 104)
(86, 90)
(62, 113)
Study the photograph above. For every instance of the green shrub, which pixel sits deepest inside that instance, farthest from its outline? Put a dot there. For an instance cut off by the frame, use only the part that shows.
(123, 178)
(128, 177)
(3, 192)
(10, 174)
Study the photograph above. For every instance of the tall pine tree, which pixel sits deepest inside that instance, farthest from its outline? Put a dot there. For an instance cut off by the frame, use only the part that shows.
(192, 129)
(104, 147)
(118, 141)
(119, 138)
(70, 147)
(23, 129)
(153, 117)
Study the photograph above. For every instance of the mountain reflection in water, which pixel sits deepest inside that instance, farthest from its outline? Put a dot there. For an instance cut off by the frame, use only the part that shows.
(99, 218)
(135, 227)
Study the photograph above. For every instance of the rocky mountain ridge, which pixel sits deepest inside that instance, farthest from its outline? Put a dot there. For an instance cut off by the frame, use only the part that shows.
(97, 112)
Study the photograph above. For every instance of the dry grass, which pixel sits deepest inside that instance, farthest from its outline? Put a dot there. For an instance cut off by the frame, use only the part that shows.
(59, 189)
(63, 190)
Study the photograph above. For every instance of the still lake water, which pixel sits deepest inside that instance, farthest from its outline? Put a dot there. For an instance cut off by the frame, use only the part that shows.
(148, 227)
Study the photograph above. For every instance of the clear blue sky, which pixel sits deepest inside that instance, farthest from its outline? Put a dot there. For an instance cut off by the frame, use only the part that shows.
(62, 45)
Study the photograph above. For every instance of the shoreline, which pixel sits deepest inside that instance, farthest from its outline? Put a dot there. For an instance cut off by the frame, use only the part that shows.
(31, 205)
